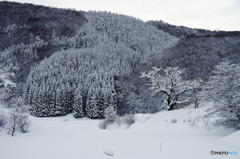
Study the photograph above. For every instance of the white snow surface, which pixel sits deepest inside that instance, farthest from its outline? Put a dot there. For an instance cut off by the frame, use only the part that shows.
(109, 152)
(153, 136)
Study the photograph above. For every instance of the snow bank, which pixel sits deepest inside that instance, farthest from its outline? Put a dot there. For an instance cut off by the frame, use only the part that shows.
(51, 138)
(233, 138)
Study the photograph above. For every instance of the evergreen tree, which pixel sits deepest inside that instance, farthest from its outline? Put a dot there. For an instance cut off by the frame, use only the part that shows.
(78, 104)
(40, 109)
(113, 98)
(65, 109)
(51, 99)
(30, 95)
(60, 107)
(45, 104)
(101, 104)
(69, 97)
(107, 96)
(92, 109)
(25, 94)
(34, 102)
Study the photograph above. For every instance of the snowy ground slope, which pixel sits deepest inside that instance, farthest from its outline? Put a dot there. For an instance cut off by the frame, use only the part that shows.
(69, 138)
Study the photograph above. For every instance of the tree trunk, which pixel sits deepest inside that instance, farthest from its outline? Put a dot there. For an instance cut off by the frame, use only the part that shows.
(171, 107)
(168, 100)
(13, 130)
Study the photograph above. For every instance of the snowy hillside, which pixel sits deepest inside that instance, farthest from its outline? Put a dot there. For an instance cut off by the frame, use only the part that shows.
(98, 85)
(153, 136)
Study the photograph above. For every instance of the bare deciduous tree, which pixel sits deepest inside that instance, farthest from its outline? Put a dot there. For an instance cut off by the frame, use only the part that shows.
(169, 81)
(19, 118)
(223, 89)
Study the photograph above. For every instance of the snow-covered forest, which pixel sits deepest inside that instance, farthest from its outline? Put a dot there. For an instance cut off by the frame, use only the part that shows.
(101, 65)
(113, 68)
(106, 47)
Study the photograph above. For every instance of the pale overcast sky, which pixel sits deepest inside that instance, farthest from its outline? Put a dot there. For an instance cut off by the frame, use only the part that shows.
(206, 14)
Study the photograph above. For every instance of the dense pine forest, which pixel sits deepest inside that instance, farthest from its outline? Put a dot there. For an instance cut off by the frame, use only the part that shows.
(61, 61)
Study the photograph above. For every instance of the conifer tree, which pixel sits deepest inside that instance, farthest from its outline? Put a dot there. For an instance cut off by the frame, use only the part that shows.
(34, 103)
(59, 108)
(69, 97)
(30, 95)
(78, 104)
(92, 109)
(101, 104)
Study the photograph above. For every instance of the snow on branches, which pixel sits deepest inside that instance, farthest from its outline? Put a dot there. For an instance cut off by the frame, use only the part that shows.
(223, 89)
(169, 81)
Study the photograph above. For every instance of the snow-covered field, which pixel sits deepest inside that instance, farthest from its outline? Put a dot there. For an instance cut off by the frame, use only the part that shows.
(153, 136)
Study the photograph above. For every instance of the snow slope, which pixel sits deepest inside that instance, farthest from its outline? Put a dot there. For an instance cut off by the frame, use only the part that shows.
(151, 137)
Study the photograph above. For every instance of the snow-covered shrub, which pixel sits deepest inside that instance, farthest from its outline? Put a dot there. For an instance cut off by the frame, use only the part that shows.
(110, 117)
(18, 118)
(3, 119)
(23, 121)
(195, 120)
(102, 124)
(128, 119)
(12, 126)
